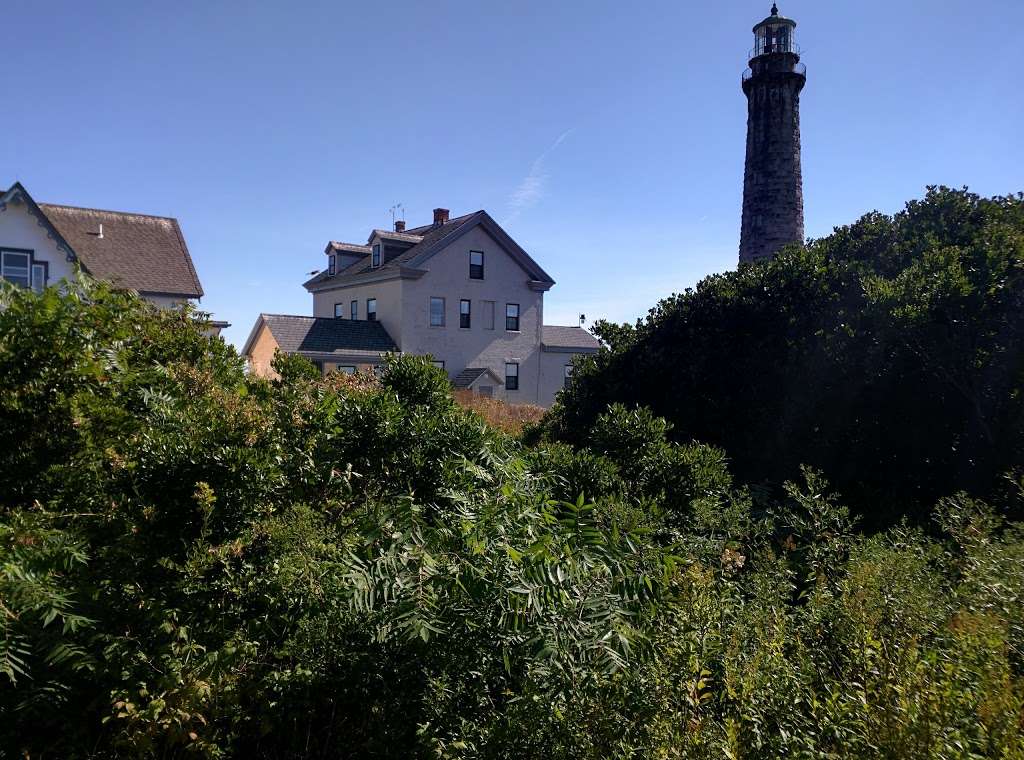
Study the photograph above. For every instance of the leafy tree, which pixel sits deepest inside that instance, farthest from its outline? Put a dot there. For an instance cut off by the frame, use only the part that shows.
(889, 355)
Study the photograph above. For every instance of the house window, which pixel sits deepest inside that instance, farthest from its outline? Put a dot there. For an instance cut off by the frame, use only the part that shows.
(353, 310)
(16, 267)
(438, 364)
(376, 255)
(512, 317)
(346, 369)
(511, 376)
(488, 315)
(371, 309)
(436, 312)
(464, 310)
(339, 310)
(476, 265)
(568, 376)
(39, 276)
(331, 267)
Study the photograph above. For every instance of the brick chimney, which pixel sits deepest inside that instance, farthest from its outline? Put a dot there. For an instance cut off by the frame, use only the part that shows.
(399, 225)
(440, 216)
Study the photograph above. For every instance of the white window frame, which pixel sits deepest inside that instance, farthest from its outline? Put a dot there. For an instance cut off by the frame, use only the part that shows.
(430, 311)
(5, 268)
(339, 310)
(509, 376)
(369, 311)
(517, 318)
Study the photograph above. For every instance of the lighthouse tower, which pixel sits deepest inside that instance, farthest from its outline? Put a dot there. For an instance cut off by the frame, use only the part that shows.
(773, 196)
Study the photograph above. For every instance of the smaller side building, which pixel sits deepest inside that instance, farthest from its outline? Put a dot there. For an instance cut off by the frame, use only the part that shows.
(341, 345)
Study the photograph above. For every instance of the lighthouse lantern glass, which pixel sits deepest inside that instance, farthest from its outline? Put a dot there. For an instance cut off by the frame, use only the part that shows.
(773, 38)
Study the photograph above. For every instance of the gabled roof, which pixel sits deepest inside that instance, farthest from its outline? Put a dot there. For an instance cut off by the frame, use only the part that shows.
(433, 238)
(568, 340)
(137, 251)
(323, 335)
(470, 375)
(337, 247)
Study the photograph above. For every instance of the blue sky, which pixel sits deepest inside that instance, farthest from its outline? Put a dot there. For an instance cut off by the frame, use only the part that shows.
(607, 137)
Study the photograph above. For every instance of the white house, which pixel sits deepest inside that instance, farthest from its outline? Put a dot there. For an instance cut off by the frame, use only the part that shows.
(44, 243)
(460, 290)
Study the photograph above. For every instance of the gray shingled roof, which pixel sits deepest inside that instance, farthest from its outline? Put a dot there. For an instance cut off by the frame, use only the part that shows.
(323, 335)
(470, 375)
(569, 339)
(426, 236)
(144, 253)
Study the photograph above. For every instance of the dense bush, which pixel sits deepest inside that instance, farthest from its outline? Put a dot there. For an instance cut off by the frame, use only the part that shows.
(196, 562)
(889, 355)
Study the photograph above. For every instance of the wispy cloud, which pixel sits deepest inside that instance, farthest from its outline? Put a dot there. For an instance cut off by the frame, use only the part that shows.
(532, 187)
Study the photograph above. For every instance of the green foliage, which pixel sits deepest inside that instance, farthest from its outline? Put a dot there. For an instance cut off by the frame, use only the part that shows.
(889, 355)
(195, 562)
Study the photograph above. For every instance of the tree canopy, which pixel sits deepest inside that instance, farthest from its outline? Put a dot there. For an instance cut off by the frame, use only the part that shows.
(889, 355)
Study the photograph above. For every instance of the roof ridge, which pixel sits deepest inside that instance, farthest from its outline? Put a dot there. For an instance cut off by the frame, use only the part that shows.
(106, 211)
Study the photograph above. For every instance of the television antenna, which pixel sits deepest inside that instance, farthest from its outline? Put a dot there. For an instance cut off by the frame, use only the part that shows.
(397, 212)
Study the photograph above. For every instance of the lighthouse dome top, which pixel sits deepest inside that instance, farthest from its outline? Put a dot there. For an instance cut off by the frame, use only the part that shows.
(774, 20)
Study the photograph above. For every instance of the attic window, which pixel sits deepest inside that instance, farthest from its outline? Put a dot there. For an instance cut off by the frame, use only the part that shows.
(476, 265)
(331, 267)
(376, 255)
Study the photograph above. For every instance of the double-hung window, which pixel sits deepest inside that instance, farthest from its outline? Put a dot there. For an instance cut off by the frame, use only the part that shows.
(371, 309)
(331, 266)
(436, 312)
(568, 376)
(512, 317)
(511, 376)
(354, 310)
(39, 272)
(16, 267)
(476, 265)
(376, 255)
(339, 310)
(464, 313)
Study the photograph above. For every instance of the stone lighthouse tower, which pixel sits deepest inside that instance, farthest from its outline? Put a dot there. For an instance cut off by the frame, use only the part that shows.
(773, 196)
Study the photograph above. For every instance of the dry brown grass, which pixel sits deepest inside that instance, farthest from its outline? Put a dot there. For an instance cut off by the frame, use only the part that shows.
(511, 418)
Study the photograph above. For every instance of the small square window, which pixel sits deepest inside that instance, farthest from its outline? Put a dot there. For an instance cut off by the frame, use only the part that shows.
(339, 310)
(376, 255)
(438, 364)
(476, 265)
(511, 376)
(353, 310)
(464, 313)
(371, 309)
(436, 312)
(512, 317)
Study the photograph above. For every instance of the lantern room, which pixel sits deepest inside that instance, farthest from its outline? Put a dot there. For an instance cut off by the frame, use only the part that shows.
(776, 34)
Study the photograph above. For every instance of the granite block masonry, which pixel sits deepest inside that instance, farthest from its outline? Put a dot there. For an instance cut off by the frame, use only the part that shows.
(773, 201)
